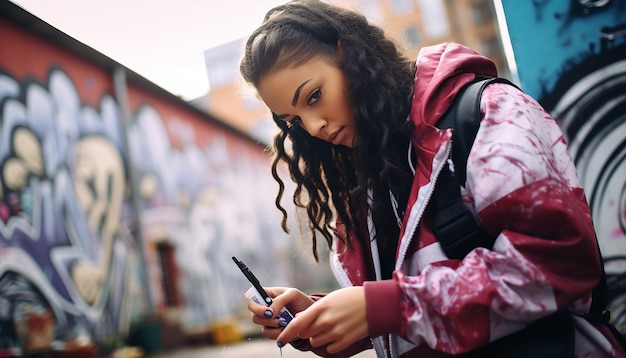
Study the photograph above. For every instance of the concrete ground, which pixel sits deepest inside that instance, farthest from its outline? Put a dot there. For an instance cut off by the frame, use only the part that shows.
(256, 348)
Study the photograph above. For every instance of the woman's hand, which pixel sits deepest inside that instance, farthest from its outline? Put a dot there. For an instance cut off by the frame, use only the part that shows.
(295, 301)
(337, 320)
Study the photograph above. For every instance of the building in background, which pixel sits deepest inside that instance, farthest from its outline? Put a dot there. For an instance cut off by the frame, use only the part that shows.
(229, 97)
(412, 23)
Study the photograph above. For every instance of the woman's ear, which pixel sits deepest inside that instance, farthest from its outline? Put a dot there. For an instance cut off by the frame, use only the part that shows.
(340, 49)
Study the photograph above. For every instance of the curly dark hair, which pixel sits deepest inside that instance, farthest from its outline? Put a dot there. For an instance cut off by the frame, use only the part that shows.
(335, 179)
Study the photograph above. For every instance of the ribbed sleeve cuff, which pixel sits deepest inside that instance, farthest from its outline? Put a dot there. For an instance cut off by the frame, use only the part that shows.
(382, 303)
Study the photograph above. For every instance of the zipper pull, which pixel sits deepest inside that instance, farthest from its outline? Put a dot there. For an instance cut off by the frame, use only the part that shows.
(451, 166)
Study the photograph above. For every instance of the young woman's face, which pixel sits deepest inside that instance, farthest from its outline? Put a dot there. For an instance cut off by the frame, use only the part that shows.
(313, 96)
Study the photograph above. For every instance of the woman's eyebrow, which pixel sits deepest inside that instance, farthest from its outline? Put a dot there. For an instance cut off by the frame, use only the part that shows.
(294, 101)
(297, 94)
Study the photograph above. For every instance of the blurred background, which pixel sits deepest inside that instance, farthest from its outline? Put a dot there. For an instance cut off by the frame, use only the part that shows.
(133, 163)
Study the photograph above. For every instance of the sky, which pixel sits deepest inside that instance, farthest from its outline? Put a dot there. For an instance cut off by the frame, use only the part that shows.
(164, 41)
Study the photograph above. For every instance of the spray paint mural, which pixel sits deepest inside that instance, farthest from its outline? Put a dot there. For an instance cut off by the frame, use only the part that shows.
(88, 201)
(571, 55)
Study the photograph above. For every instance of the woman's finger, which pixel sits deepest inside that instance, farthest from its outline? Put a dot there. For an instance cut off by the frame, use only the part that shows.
(260, 310)
(302, 326)
(269, 322)
(293, 299)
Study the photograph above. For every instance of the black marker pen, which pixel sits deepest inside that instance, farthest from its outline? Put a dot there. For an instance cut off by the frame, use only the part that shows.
(260, 296)
(255, 282)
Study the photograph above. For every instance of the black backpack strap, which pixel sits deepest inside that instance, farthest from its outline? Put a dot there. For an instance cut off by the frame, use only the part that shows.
(464, 116)
(456, 227)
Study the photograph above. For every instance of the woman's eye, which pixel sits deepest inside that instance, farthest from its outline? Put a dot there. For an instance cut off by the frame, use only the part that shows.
(314, 97)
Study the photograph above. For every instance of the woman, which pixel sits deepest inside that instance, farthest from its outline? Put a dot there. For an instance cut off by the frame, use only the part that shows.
(357, 131)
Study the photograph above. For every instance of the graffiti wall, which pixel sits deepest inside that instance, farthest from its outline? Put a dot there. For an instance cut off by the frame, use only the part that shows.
(93, 207)
(571, 56)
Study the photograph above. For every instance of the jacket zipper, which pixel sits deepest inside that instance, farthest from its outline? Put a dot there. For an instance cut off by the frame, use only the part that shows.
(411, 232)
(440, 165)
(342, 277)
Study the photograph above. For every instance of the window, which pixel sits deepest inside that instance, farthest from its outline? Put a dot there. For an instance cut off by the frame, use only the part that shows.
(169, 274)
(411, 36)
(434, 18)
(481, 13)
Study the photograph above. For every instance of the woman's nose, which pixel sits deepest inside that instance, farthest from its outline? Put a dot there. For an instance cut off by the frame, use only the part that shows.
(313, 124)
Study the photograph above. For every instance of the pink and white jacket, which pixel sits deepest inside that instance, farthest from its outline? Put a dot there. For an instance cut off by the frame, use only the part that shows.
(522, 184)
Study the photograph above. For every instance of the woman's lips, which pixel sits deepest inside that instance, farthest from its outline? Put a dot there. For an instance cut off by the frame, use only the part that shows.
(333, 137)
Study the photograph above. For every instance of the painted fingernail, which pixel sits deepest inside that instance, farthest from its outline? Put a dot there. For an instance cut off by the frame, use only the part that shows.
(268, 314)
(282, 322)
(280, 344)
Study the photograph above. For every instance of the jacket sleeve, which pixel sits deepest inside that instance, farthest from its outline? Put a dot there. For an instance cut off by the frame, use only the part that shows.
(523, 185)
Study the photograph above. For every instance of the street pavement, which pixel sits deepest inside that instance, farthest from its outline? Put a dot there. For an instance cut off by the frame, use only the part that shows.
(256, 348)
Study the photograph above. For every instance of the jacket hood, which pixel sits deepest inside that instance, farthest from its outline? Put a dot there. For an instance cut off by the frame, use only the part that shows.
(441, 71)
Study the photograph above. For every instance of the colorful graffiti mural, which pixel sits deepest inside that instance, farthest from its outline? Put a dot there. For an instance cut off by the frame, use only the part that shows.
(571, 55)
(87, 200)
(64, 242)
